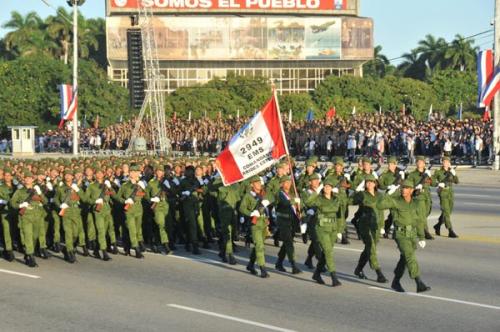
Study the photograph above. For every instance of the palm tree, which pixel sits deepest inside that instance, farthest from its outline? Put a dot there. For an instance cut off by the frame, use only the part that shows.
(461, 54)
(87, 39)
(432, 51)
(60, 29)
(22, 27)
(377, 67)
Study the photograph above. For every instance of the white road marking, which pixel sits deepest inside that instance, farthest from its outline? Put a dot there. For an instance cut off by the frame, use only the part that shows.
(475, 304)
(20, 274)
(235, 319)
(481, 204)
(347, 249)
(475, 195)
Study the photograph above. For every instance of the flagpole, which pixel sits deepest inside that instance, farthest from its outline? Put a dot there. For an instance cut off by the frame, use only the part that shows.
(496, 102)
(286, 150)
(75, 75)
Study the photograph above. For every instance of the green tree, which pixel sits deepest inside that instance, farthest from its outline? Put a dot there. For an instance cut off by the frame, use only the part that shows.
(60, 30)
(461, 54)
(431, 51)
(26, 34)
(299, 104)
(379, 66)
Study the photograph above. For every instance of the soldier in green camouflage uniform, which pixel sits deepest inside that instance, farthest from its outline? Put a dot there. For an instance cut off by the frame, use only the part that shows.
(311, 219)
(343, 182)
(393, 176)
(444, 179)
(7, 189)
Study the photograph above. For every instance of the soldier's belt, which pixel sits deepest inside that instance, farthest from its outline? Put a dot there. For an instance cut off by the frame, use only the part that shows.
(405, 229)
(325, 220)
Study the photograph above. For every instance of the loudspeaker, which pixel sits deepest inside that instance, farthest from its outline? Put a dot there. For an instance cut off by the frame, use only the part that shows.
(135, 68)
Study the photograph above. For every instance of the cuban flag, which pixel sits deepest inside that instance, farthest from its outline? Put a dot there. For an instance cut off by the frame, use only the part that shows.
(484, 74)
(69, 103)
(256, 146)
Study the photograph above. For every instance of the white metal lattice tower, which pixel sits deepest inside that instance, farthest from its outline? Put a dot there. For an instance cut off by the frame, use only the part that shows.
(153, 106)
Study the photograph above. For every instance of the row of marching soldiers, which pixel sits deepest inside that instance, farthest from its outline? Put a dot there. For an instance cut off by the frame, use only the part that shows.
(102, 204)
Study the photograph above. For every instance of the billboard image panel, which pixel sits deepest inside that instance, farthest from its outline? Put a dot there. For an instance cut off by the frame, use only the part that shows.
(285, 38)
(357, 38)
(322, 39)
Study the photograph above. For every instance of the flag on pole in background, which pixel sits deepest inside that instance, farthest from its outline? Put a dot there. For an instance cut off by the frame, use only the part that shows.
(238, 113)
(429, 116)
(354, 110)
(485, 69)
(459, 113)
(256, 146)
(189, 116)
(331, 113)
(491, 89)
(486, 114)
(69, 103)
(310, 115)
(290, 116)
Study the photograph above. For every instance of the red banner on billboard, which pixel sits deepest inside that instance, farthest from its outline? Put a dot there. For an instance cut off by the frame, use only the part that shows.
(330, 6)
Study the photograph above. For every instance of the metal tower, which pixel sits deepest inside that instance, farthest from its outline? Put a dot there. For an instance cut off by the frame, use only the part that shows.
(154, 104)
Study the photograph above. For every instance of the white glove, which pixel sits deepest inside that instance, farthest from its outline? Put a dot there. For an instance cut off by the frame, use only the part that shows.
(64, 206)
(296, 200)
(392, 190)
(269, 175)
(176, 181)
(428, 172)
(50, 187)
(107, 184)
(186, 193)
(205, 181)
(375, 175)
(310, 212)
(441, 185)
(319, 188)
(48, 179)
(23, 205)
(142, 184)
(129, 201)
(361, 186)
(320, 176)
(303, 228)
(3, 202)
(382, 231)
(347, 176)
(200, 181)
(419, 187)
(242, 220)
(74, 186)
(335, 190)
(117, 182)
(166, 184)
(265, 203)
(37, 189)
(402, 175)
(155, 200)
(99, 201)
(297, 174)
(255, 213)
(421, 244)
(339, 236)
(453, 172)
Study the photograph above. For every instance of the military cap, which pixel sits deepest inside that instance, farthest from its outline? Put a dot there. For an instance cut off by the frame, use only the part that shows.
(420, 158)
(27, 173)
(370, 177)
(282, 164)
(314, 158)
(338, 161)
(7, 170)
(68, 172)
(366, 160)
(254, 178)
(407, 183)
(330, 182)
(159, 167)
(135, 168)
(392, 160)
(284, 179)
(446, 158)
(314, 176)
(310, 162)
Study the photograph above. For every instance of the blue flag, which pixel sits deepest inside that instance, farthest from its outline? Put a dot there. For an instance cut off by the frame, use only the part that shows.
(310, 116)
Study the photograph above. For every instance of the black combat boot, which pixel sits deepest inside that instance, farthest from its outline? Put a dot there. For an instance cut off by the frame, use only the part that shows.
(114, 249)
(105, 256)
(263, 272)
(345, 239)
(452, 234)
(205, 244)
(231, 259)
(187, 246)
(359, 272)
(396, 285)
(421, 287)
(142, 246)
(335, 281)
(167, 249)
(85, 251)
(44, 254)
(276, 240)
(428, 235)
(66, 254)
(279, 265)
(56, 247)
(92, 245)
(295, 269)
(305, 238)
(172, 246)
(309, 262)
(154, 249)
(71, 257)
(317, 277)
(437, 227)
(30, 261)
(196, 250)
(251, 268)
(96, 253)
(8, 255)
(380, 277)
(138, 253)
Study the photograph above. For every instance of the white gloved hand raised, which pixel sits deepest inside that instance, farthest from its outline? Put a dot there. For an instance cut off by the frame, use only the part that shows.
(255, 213)
(310, 212)
(23, 205)
(265, 203)
(441, 185)
(361, 186)
(74, 186)
(318, 190)
(242, 220)
(382, 231)
(206, 181)
(166, 184)
(107, 184)
(155, 200)
(129, 201)
(428, 172)
(421, 244)
(347, 176)
(37, 189)
(50, 187)
(176, 181)
(375, 175)
(392, 189)
(99, 201)
(453, 172)
(64, 206)
(339, 236)
(402, 175)
(419, 187)
(335, 190)
(142, 184)
(186, 193)
(296, 200)
(3, 202)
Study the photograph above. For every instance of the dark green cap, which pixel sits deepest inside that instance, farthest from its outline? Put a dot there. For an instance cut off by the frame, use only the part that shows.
(135, 168)
(330, 182)
(254, 178)
(407, 183)
(284, 179)
(392, 160)
(370, 177)
(314, 176)
(420, 158)
(366, 160)
(338, 161)
(446, 158)
(310, 162)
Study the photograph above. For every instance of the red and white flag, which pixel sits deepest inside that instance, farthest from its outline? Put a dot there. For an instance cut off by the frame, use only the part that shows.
(486, 114)
(256, 146)
(69, 103)
(331, 113)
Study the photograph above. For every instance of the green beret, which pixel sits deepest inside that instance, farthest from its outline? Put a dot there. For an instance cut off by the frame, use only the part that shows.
(392, 160)
(446, 158)
(330, 182)
(366, 160)
(338, 161)
(370, 177)
(284, 179)
(254, 178)
(407, 183)
(420, 158)
(314, 176)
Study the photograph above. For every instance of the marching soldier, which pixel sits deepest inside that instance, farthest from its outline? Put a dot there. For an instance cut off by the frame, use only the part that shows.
(227, 198)
(407, 217)
(272, 189)
(422, 179)
(342, 181)
(445, 178)
(7, 189)
(311, 217)
(393, 176)
(190, 187)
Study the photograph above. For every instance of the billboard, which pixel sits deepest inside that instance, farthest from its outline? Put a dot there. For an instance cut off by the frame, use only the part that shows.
(249, 38)
(324, 7)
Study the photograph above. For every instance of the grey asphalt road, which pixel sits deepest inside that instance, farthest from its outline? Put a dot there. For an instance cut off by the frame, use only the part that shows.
(188, 293)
